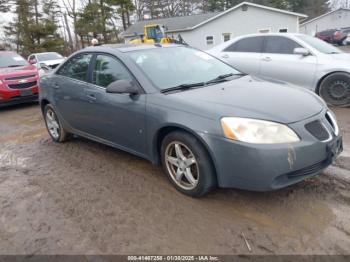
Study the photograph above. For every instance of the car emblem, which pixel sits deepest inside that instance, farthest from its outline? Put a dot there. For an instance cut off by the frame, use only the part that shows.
(22, 81)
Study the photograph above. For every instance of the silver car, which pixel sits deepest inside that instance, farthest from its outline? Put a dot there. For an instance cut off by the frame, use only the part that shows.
(294, 58)
(49, 59)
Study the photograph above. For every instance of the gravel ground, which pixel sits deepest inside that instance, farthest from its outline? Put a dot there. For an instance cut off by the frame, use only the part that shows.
(81, 197)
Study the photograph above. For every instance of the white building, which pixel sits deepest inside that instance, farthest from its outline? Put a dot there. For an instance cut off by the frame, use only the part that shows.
(207, 30)
(333, 20)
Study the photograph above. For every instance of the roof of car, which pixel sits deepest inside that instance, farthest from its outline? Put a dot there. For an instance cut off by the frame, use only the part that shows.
(131, 47)
(44, 53)
(272, 34)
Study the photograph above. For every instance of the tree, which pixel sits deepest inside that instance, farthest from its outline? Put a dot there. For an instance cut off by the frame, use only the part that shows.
(4, 6)
(34, 28)
(336, 4)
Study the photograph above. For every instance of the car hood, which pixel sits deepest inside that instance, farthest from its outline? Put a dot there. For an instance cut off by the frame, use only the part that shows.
(254, 98)
(52, 62)
(17, 71)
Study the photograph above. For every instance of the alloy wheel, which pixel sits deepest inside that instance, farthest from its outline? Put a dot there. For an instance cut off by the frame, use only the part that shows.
(52, 124)
(182, 165)
(339, 90)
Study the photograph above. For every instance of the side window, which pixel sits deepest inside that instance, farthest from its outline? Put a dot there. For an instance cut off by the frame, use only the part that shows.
(77, 67)
(247, 45)
(107, 70)
(209, 40)
(226, 36)
(280, 45)
(283, 30)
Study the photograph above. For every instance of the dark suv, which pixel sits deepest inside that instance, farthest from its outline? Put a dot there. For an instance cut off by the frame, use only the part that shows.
(18, 79)
(333, 36)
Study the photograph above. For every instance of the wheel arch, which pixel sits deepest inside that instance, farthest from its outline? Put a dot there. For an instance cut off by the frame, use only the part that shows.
(167, 129)
(325, 76)
(43, 104)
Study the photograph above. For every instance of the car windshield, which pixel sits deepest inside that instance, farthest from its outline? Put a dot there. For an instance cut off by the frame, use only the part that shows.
(12, 60)
(175, 66)
(48, 56)
(320, 45)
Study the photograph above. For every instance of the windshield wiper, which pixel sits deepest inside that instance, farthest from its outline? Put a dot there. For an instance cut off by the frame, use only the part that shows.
(222, 78)
(182, 87)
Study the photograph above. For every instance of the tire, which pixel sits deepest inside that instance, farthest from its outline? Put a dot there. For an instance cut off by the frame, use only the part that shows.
(191, 171)
(53, 125)
(335, 89)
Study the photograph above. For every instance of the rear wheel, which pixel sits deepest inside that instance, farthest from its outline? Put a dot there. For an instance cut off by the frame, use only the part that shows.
(187, 164)
(53, 125)
(335, 89)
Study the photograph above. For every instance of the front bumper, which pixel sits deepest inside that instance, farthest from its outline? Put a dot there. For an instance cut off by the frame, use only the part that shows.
(16, 96)
(271, 167)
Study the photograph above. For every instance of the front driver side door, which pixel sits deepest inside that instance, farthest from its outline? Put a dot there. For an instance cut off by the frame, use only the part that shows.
(245, 54)
(116, 118)
(280, 62)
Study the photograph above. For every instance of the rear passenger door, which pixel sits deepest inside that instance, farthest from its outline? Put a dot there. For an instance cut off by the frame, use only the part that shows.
(279, 62)
(68, 88)
(245, 54)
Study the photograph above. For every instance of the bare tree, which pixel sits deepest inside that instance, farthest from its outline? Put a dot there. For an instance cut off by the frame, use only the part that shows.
(336, 4)
(71, 10)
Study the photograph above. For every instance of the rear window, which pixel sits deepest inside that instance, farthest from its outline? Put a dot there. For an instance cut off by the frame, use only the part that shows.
(12, 60)
(247, 45)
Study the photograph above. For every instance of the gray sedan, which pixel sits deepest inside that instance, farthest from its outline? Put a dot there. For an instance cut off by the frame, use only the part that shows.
(294, 58)
(206, 123)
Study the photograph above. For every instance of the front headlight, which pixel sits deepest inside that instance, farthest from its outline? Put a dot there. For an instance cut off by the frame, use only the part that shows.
(257, 131)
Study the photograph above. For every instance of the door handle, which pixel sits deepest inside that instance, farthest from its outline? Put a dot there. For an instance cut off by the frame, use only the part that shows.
(225, 56)
(56, 86)
(267, 59)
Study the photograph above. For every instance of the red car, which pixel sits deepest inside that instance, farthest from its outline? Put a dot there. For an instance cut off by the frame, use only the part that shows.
(18, 79)
(333, 36)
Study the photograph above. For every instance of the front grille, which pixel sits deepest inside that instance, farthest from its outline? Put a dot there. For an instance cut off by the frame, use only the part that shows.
(19, 77)
(22, 86)
(311, 169)
(318, 130)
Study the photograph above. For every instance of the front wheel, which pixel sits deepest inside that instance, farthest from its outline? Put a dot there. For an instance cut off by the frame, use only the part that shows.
(187, 164)
(335, 89)
(53, 125)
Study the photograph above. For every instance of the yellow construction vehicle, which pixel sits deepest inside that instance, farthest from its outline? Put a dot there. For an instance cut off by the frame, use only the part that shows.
(153, 33)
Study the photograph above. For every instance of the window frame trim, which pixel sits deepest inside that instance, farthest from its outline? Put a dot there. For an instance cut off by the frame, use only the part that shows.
(91, 70)
(56, 73)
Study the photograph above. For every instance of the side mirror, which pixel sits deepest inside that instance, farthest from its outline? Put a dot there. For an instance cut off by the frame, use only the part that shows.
(301, 51)
(122, 87)
(32, 61)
